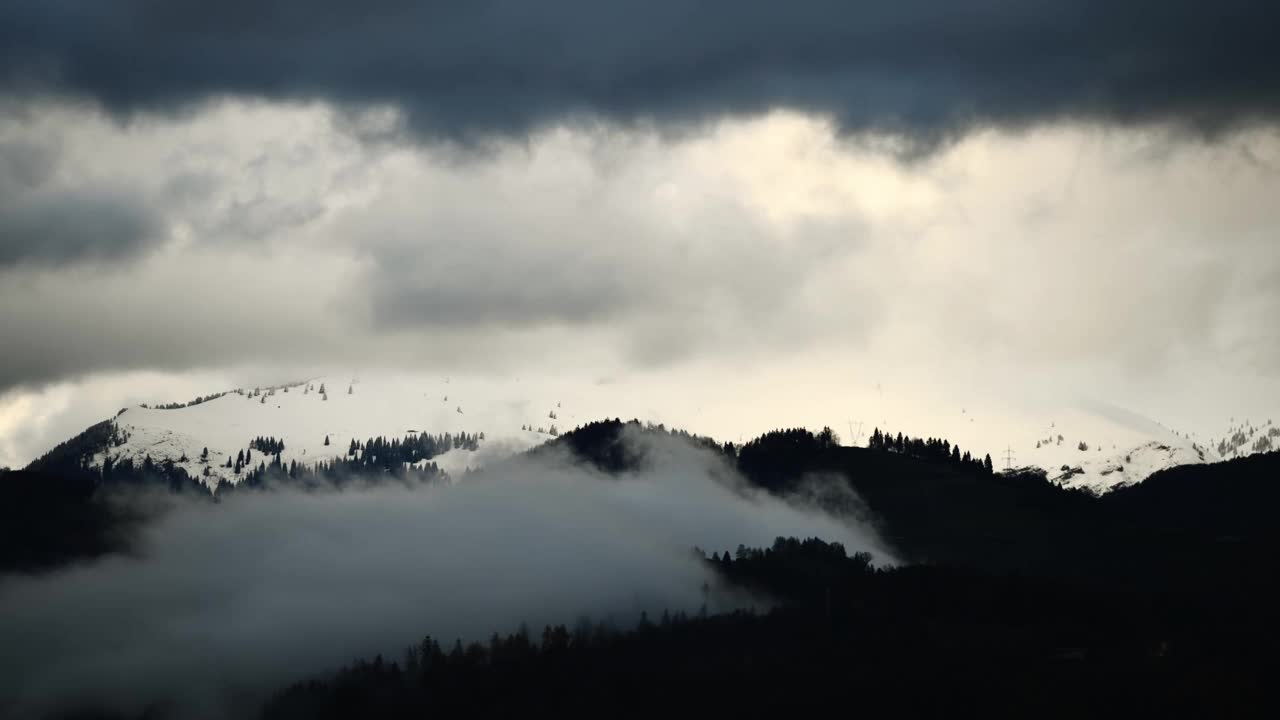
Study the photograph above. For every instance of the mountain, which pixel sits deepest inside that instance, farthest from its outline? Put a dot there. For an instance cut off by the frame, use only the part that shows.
(1103, 471)
(1097, 448)
(1244, 439)
(312, 422)
(1198, 525)
(1114, 449)
(1101, 449)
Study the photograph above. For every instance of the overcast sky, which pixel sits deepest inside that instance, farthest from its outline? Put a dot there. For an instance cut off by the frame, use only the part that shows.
(1046, 199)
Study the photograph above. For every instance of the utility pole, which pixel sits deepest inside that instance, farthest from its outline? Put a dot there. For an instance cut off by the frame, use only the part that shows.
(854, 437)
(1008, 458)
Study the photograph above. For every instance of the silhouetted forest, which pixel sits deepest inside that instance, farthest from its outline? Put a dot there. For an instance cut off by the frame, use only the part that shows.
(1201, 521)
(48, 519)
(267, 445)
(909, 641)
(60, 508)
(327, 474)
(935, 449)
(380, 453)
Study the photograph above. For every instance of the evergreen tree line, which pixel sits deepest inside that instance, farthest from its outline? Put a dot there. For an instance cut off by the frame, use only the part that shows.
(904, 641)
(267, 445)
(933, 449)
(77, 452)
(384, 454)
(189, 403)
(166, 473)
(601, 444)
(244, 459)
(275, 473)
(772, 460)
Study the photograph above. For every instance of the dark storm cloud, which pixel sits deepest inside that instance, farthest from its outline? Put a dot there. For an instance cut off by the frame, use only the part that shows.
(55, 228)
(923, 68)
(46, 224)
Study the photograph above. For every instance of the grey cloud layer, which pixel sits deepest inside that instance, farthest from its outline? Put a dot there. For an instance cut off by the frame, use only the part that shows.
(602, 251)
(46, 223)
(307, 245)
(923, 68)
(60, 227)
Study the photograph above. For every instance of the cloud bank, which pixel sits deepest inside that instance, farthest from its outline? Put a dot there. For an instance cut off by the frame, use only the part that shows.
(1127, 265)
(227, 602)
(923, 69)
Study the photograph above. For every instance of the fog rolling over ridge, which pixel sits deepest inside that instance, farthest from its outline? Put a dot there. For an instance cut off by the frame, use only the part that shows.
(239, 597)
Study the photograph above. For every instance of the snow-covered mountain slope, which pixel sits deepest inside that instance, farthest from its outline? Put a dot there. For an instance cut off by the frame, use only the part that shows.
(1114, 470)
(1101, 451)
(1244, 438)
(1098, 447)
(303, 417)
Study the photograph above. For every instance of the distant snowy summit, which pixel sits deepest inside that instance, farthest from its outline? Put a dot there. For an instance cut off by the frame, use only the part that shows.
(452, 424)
(1103, 472)
(1103, 454)
(222, 437)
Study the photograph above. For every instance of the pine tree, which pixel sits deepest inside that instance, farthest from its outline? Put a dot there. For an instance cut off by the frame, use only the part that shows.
(326, 441)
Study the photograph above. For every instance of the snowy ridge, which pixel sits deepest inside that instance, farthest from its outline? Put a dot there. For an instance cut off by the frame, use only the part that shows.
(1100, 475)
(303, 417)
(1105, 453)
(1100, 451)
(1244, 439)
(1097, 448)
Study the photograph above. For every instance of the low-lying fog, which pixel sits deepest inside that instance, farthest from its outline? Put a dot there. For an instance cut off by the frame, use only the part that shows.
(223, 603)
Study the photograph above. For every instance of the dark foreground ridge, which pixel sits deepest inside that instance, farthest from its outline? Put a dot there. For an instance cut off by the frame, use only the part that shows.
(1017, 598)
(1021, 599)
(913, 641)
